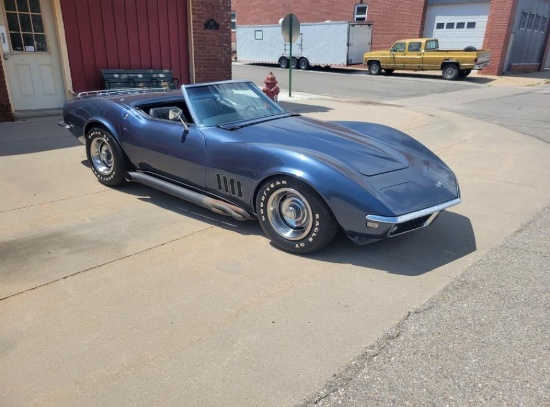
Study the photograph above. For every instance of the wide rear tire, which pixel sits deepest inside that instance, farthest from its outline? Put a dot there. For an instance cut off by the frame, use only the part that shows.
(107, 160)
(293, 216)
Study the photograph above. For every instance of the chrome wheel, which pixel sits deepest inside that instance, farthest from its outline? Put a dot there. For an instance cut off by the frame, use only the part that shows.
(102, 157)
(289, 214)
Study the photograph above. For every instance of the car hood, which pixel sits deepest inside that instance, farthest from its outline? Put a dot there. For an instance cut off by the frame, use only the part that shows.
(356, 150)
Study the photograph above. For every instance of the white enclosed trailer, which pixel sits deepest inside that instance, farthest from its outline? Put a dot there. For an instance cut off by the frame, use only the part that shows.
(331, 43)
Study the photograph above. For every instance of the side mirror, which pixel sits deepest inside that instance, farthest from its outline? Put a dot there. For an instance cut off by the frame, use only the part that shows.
(177, 114)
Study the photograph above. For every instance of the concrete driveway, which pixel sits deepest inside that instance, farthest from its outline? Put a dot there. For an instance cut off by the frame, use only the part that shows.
(130, 297)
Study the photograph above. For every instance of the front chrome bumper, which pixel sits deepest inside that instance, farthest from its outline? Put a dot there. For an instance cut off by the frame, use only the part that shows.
(397, 225)
(414, 215)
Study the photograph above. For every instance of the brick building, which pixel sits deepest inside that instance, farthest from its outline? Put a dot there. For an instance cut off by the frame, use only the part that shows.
(55, 47)
(516, 31)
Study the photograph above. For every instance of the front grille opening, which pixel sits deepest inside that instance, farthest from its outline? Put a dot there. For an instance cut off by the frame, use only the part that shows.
(409, 225)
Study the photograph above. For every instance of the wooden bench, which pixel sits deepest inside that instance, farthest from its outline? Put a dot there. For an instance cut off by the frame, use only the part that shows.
(139, 78)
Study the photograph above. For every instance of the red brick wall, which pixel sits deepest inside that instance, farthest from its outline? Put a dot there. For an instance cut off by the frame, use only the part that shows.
(396, 19)
(393, 19)
(5, 106)
(497, 34)
(212, 48)
(250, 12)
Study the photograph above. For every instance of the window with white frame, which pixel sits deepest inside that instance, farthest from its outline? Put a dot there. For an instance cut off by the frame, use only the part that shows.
(25, 26)
(360, 12)
(233, 21)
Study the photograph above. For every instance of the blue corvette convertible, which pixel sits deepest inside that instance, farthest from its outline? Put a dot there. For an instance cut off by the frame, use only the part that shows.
(228, 147)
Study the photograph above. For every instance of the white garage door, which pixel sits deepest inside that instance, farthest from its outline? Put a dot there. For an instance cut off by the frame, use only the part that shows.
(457, 26)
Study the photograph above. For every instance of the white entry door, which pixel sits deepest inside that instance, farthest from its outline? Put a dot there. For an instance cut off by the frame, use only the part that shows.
(31, 55)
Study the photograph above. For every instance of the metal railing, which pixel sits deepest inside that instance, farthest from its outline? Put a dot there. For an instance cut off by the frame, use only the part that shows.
(117, 92)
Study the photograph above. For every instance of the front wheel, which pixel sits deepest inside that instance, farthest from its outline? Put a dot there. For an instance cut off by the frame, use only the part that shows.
(450, 72)
(375, 68)
(107, 160)
(293, 216)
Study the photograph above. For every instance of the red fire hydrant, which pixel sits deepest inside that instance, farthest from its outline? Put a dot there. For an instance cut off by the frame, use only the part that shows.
(271, 89)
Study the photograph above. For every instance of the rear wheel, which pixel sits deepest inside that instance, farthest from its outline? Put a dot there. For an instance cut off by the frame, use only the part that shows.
(294, 63)
(450, 72)
(470, 48)
(375, 68)
(303, 63)
(283, 62)
(293, 216)
(107, 160)
(464, 73)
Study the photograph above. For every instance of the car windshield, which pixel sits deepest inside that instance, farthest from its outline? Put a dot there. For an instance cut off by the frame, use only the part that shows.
(229, 102)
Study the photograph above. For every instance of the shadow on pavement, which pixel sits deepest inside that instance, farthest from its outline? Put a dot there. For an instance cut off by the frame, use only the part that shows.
(34, 136)
(449, 238)
(302, 108)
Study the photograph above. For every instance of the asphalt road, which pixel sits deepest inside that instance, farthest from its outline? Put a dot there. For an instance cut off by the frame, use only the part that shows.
(483, 341)
(521, 109)
(356, 84)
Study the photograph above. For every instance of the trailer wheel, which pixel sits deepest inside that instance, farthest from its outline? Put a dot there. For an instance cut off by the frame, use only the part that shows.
(283, 62)
(303, 63)
(375, 68)
(294, 63)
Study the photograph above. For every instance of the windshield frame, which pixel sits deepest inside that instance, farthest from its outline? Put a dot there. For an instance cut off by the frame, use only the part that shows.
(220, 93)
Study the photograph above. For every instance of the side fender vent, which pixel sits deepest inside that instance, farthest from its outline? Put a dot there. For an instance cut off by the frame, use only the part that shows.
(229, 185)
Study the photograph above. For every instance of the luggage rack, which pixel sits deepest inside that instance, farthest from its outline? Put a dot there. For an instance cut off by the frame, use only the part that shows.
(116, 92)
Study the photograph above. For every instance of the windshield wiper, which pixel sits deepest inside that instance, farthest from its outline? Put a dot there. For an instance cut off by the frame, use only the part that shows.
(244, 123)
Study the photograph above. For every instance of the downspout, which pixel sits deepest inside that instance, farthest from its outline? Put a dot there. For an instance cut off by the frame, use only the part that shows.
(191, 41)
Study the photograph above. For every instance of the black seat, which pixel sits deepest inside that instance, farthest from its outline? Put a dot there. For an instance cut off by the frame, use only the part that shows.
(161, 112)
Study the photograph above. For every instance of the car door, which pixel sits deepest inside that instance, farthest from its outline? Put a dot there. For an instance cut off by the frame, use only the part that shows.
(164, 147)
(413, 55)
(397, 56)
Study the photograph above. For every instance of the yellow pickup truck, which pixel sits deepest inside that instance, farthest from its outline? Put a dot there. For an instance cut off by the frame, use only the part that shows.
(423, 54)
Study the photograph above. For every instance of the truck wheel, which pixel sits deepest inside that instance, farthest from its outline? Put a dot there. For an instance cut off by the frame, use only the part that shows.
(293, 216)
(388, 71)
(375, 68)
(464, 73)
(303, 63)
(294, 63)
(450, 72)
(283, 62)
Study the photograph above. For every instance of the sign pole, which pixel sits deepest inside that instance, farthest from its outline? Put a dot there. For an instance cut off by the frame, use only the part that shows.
(290, 62)
(290, 29)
